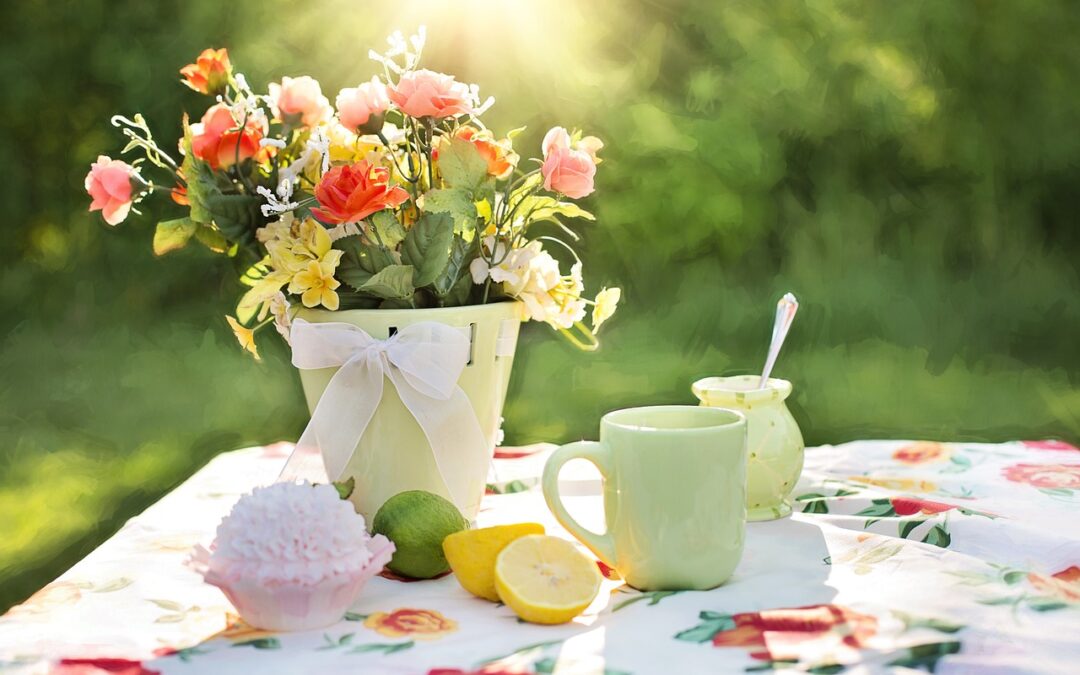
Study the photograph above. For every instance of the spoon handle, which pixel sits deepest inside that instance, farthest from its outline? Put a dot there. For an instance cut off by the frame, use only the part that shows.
(785, 314)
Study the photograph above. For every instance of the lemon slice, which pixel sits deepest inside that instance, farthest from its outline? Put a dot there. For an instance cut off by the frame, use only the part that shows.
(472, 553)
(545, 579)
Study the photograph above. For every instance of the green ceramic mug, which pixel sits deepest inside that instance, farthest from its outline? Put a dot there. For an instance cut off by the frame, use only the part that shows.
(674, 494)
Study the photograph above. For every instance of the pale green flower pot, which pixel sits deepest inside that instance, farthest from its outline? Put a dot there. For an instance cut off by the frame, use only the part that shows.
(393, 455)
(774, 444)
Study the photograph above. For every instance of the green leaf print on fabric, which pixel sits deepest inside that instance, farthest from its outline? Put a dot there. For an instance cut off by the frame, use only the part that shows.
(653, 597)
(384, 647)
(711, 624)
(938, 536)
(926, 656)
(260, 643)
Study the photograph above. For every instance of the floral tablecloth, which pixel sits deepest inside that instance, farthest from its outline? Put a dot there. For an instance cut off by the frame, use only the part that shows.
(902, 555)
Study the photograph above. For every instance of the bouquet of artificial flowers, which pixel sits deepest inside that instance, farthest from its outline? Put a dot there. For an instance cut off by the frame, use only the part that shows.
(397, 196)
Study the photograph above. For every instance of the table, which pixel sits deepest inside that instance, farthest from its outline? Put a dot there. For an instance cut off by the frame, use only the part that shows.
(956, 557)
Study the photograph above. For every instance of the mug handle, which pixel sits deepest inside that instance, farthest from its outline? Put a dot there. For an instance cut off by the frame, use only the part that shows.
(601, 544)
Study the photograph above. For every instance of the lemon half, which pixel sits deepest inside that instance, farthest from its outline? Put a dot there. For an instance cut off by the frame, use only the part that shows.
(545, 579)
(472, 553)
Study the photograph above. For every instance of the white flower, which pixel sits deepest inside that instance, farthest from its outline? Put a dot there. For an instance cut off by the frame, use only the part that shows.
(400, 47)
(279, 307)
(532, 276)
(342, 230)
(274, 205)
(604, 305)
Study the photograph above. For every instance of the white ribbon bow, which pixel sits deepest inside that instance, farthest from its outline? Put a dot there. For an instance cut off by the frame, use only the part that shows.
(423, 361)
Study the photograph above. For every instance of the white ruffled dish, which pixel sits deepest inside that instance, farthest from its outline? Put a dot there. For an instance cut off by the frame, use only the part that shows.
(292, 557)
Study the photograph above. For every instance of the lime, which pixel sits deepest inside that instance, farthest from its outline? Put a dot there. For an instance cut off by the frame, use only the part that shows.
(417, 522)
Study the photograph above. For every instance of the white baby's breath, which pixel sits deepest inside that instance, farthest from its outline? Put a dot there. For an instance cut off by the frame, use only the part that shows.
(273, 204)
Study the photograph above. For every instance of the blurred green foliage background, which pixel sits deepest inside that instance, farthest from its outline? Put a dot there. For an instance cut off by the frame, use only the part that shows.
(909, 169)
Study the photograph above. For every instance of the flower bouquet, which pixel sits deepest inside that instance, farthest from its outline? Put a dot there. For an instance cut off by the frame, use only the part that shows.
(399, 198)
(394, 212)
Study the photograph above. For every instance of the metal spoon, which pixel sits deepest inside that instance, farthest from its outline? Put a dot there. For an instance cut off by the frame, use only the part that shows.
(785, 314)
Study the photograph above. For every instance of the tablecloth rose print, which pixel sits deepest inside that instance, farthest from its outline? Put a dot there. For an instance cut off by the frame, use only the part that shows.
(423, 624)
(942, 557)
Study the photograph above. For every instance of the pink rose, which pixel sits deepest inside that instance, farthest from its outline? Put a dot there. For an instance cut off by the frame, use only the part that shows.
(424, 93)
(300, 98)
(1053, 476)
(569, 168)
(109, 183)
(357, 105)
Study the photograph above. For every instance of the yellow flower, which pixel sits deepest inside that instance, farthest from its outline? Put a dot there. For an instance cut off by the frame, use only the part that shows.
(317, 284)
(314, 240)
(898, 484)
(604, 305)
(284, 257)
(421, 624)
(245, 336)
(345, 146)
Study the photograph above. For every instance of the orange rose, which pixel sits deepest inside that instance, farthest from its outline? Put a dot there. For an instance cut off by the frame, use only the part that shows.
(219, 141)
(210, 72)
(781, 634)
(351, 193)
(422, 624)
(499, 155)
(922, 452)
(56, 594)
(906, 506)
(1064, 585)
(1045, 475)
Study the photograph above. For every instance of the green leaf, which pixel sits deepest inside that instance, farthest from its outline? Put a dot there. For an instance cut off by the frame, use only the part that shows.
(459, 294)
(809, 495)
(907, 526)
(704, 631)
(390, 232)
(172, 235)
(999, 601)
(354, 616)
(237, 216)
(1046, 604)
(393, 283)
(514, 133)
(878, 510)
(816, 506)
(545, 207)
(926, 656)
(345, 487)
(385, 648)
(427, 247)
(1014, 577)
(260, 643)
(360, 261)
(114, 585)
(199, 178)
(455, 202)
(462, 165)
(462, 253)
(879, 553)
(212, 239)
(938, 536)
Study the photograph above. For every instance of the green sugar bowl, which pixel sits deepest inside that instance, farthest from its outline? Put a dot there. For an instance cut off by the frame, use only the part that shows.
(774, 444)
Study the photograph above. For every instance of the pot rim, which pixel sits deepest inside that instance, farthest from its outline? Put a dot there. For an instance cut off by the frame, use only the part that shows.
(502, 308)
(736, 389)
